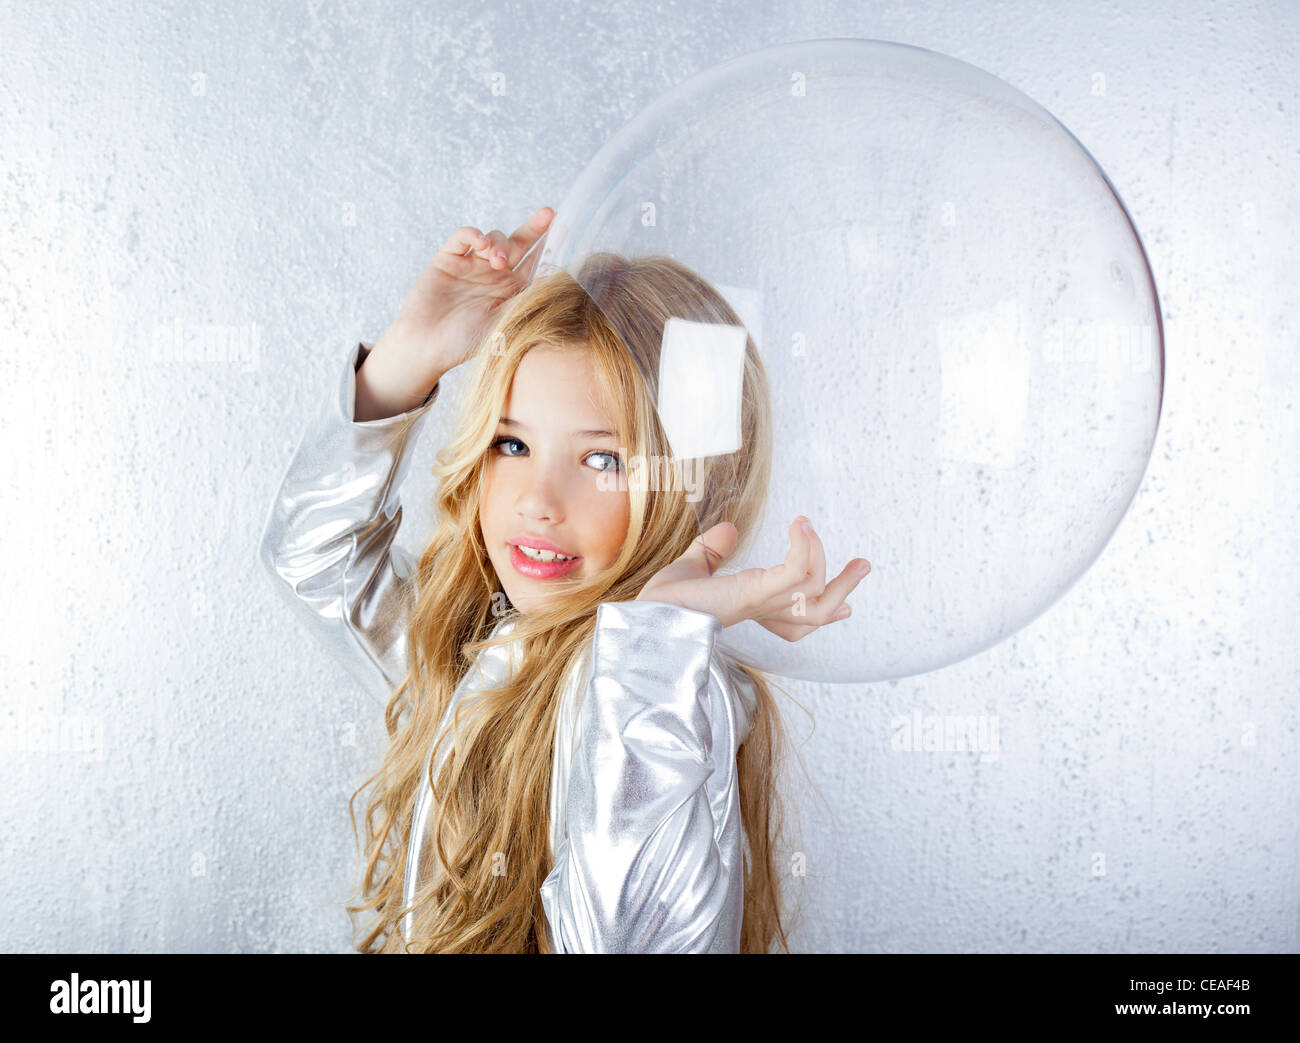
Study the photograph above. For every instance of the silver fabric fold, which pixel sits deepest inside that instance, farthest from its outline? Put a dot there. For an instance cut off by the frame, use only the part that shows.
(645, 834)
(328, 536)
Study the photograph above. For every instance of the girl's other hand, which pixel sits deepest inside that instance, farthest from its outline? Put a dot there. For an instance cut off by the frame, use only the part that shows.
(449, 306)
(791, 599)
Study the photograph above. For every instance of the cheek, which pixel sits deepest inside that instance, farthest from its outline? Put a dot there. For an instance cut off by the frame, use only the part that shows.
(608, 513)
(489, 492)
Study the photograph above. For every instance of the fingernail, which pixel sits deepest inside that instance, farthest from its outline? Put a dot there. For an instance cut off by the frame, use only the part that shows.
(807, 527)
(864, 568)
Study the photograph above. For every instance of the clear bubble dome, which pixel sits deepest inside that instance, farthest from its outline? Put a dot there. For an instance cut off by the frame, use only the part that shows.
(958, 324)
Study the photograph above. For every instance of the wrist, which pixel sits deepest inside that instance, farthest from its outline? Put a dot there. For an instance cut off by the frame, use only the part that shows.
(388, 384)
(675, 602)
(399, 348)
(416, 346)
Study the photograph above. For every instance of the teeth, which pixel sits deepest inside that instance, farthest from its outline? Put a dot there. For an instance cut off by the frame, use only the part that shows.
(543, 555)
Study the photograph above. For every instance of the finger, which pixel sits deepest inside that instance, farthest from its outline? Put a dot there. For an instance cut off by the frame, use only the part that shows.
(468, 241)
(497, 252)
(826, 608)
(798, 558)
(816, 560)
(528, 233)
(515, 246)
(529, 263)
(780, 582)
(464, 239)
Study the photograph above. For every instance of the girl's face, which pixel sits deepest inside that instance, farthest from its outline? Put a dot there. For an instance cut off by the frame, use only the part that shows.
(543, 476)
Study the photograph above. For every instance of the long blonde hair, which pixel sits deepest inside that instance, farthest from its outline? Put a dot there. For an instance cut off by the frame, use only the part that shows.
(492, 792)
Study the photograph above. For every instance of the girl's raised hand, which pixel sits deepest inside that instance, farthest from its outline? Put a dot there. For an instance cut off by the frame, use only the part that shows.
(791, 599)
(452, 301)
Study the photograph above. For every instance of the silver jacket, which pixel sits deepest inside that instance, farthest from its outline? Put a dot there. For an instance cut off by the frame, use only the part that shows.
(646, 836)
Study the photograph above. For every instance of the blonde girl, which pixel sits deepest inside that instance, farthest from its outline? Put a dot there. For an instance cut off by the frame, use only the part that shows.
(573, 766)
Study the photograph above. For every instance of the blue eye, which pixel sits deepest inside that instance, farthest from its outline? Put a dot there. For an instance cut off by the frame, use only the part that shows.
(616, 465)
(504, 439)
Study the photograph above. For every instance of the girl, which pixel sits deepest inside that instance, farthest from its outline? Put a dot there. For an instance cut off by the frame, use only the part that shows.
(572, 765)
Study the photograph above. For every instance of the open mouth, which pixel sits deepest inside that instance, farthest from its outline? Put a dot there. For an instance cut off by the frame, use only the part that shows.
(540, 564)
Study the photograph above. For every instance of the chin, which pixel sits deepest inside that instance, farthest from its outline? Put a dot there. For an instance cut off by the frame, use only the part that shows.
(525, 600)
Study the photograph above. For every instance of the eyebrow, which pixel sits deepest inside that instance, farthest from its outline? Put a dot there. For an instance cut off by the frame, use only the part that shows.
(576, 434)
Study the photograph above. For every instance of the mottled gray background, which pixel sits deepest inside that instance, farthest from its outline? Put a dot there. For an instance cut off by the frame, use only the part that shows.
(177, 754)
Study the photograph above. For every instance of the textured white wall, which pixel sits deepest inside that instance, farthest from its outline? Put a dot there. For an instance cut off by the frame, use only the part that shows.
(285, 170)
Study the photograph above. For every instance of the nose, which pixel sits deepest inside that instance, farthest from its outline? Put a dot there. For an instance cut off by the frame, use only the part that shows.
(540, 497)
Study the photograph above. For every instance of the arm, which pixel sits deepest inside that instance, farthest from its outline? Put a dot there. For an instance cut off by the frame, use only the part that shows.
(328, 535)
(651, 794)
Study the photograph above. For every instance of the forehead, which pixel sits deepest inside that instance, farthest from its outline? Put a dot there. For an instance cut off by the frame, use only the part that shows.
(558, 385)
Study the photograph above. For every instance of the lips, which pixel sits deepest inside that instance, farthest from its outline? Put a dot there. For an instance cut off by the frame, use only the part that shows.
(525, 539)
(540, 569)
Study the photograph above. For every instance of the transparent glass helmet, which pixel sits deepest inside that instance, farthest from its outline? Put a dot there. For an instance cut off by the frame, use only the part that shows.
(956, 324)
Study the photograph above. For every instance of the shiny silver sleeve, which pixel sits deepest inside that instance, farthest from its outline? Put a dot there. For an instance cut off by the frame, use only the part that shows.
(328, 537)
(641, 868)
